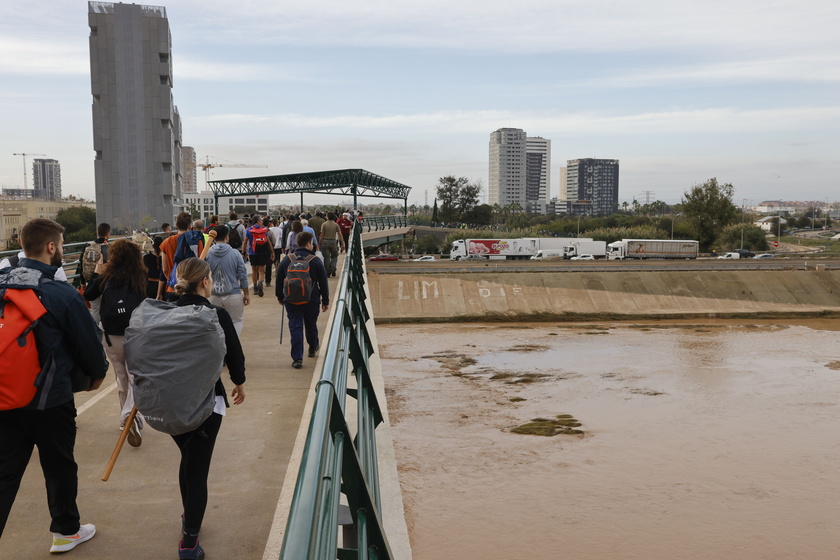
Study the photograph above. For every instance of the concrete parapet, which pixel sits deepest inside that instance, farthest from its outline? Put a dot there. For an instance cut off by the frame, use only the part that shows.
(601, 294)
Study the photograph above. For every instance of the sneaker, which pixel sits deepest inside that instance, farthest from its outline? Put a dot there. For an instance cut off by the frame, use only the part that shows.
(63, 543)
(297, 364)
(260, 289)
(196, 553)
(313, 350)
(135, 439)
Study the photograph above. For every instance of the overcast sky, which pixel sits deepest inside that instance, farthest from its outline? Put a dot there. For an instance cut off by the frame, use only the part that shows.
(678, 91)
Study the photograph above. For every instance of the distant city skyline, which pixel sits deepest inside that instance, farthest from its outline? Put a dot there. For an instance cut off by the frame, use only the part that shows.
(675, 91)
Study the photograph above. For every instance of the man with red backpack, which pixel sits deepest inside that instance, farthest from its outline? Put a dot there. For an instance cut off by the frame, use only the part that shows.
(60, 354)
(304, 288)
(260, 252)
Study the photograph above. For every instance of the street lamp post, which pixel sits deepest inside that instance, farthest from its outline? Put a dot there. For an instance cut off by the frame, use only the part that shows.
(743, 217)
(578, 233)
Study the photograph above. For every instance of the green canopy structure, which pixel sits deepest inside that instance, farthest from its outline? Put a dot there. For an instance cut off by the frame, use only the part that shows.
(355, 182)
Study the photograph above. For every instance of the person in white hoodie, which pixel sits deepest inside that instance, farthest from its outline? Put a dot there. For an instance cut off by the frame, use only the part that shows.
(230, 279)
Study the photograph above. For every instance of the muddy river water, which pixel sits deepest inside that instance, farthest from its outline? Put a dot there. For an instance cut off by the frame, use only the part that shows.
(700, 440)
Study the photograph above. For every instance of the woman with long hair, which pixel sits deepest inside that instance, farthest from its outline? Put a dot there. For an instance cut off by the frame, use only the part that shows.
(195, 284)
(153, 264)
(120, 284)
(291, 242)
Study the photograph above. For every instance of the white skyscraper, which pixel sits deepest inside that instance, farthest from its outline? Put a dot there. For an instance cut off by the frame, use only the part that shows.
(520, 170)
(506, 183)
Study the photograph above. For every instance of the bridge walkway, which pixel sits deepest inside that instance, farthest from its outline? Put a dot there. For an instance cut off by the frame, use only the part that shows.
(137, 512)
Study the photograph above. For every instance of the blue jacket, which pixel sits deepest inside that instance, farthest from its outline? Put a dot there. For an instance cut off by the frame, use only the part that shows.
(68, 339)
(317, 271)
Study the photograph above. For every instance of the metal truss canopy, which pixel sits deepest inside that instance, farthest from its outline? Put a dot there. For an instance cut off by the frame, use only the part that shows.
(355, 182)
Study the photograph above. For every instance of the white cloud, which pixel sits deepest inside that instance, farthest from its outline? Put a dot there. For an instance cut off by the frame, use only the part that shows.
(801, 69)
(39, 57)
(556, 124)
(526, 25)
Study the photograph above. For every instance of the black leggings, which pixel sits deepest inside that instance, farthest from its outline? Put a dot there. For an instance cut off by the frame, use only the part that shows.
(196, 451)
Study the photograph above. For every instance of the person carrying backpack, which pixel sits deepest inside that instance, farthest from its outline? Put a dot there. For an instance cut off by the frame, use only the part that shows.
(88, 259)
(194, 285)
(66, 350)
(175, 249)
(260, 252)
(304, 288)
(236, 235)
(120, 286)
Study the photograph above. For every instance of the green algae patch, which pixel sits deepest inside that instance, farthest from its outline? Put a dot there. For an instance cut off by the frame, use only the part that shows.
(561, 424)
(527, 348)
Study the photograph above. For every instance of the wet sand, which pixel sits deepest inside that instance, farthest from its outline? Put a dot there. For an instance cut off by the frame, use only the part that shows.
(712, 440)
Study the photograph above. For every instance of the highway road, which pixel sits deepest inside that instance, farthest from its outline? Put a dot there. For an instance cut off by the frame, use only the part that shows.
(702, 264)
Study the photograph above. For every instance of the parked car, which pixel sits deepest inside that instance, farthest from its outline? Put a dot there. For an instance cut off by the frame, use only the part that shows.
(584, 258)
(385, 258)
(744, 253)
(764, 256)
(731, 255)
(425, 258)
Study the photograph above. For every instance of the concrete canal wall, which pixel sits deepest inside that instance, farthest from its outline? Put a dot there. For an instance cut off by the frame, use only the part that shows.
(602, 295)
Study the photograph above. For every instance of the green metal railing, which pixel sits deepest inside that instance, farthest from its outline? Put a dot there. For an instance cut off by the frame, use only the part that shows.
(335, 462)
(378, 223)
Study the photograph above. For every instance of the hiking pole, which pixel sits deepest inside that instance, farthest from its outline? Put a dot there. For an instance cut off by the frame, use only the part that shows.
(113, 460)
(282, 317)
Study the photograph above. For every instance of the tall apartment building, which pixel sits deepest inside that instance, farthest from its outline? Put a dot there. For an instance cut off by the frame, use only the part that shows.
(189, 182)
(46, 179)
(508, 163)
(519, 169)
(592, 186)
(537, 173)
(136, 126)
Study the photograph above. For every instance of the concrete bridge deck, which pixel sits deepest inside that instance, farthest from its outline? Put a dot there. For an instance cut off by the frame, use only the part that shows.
(137, 512)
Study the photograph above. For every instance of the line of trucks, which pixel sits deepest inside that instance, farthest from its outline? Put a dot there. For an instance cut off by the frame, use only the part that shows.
(539, 248)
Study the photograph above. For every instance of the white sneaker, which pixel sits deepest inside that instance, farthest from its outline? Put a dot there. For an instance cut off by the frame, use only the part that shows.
(63, 543)
(135, 438)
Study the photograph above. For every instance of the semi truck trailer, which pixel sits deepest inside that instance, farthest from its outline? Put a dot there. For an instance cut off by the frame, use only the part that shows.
(576, 248)
(522, 248)
(653, 249)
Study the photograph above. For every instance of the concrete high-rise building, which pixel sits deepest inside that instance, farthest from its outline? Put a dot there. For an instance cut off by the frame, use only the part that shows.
(563, 180)
(537, 173)
(136, 126)
(188, 171)
(592, 186)
(520, 170)
(46, 179)
(508, 165)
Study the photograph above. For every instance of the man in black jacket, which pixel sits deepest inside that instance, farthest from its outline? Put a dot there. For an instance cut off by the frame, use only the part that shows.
(303, 319)
(68, 343)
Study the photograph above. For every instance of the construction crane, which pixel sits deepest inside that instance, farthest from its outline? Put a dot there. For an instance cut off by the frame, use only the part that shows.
(207, 166)
(24, 168)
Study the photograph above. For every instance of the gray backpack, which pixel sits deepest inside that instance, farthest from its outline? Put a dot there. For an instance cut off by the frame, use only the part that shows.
(175, 355)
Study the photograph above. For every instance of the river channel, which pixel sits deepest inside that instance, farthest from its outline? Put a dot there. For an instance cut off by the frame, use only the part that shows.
(700, 440)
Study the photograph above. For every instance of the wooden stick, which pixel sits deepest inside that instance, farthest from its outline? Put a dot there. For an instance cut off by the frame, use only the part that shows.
(124, 435)
(120, 443)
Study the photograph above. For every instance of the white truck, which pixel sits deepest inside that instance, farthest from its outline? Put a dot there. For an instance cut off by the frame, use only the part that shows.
(653, 249)
(522, 248)
(576, 248)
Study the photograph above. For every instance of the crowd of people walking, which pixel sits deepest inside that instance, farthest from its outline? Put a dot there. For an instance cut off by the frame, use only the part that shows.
(217, 267)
